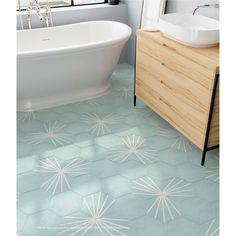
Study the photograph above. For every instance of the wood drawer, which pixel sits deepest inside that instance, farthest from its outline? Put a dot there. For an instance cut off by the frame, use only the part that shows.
(169, 113)
(175, 61)
(198, 96)
(167, 92)
(176, 81)
(185, 109)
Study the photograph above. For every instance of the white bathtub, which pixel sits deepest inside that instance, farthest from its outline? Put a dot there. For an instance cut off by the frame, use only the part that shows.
(69, 63)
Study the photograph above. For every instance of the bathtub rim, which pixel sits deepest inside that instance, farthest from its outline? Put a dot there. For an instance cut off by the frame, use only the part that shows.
(125, 35)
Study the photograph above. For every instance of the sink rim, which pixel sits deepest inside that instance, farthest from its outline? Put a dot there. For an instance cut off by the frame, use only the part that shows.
(204, 31)
(165, 19)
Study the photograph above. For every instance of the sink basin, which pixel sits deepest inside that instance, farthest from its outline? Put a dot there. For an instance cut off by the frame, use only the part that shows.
(192, 30)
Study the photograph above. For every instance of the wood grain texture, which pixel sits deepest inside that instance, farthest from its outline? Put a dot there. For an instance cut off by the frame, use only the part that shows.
(176, 85)
(207, 57)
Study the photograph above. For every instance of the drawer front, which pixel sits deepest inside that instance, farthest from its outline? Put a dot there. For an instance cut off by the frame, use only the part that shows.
(173, 60)
(167, 92)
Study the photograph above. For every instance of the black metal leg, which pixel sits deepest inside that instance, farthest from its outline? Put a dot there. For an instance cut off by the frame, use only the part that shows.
(205, 148)
(135, 98)
(203, 157)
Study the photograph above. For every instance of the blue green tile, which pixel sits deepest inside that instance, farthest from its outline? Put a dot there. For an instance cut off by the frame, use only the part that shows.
(94, 153)
(103, 168)
(67, 152)
(28, 181)
(44, 223)
(86, 185)
(69, 117)
(84, 139)
(46, 115)
(108, 141)
(207, 190)
(141, 130)
(76, 128)
(210, 228)
(34, 201)
(21, 220)
(63, 109)
(73, 203)
(197, 210)
(161, 170)
(182, 227)
(125, 177)
(26, 164)
(172, 157)
(21, 233)
(129, 207)
(23, 149)
(190, 172)
(132, 170)
(116, 186)
(146, 226)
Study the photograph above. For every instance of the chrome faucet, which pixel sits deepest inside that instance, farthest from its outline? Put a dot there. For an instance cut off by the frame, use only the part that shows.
(215, 5)
(36, 7)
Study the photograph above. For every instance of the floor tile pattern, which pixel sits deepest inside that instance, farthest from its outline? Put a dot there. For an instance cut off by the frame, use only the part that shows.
(103, 167)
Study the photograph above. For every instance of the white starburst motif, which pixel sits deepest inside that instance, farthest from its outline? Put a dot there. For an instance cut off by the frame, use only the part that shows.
(182, 144)
(52, 133)
(125, 92)
(100, 125)
(133, 148)
(95, 219)
(162, 206)
(213, 229)
(212, 173)
(26, 116)
(57, 178)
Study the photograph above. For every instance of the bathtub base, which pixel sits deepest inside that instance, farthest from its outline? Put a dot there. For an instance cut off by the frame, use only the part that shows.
(54, 101)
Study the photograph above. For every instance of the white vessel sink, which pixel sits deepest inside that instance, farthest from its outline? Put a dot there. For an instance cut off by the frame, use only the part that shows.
(192, 30)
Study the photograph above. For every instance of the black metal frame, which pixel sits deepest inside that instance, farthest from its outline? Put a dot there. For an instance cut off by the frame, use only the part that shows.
(205, 148)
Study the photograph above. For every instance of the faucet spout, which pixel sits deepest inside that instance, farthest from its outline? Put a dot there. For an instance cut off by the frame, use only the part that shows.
(42, 11)
(215, 5)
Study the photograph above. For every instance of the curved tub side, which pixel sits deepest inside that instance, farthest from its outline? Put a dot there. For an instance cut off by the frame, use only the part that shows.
(64, 78)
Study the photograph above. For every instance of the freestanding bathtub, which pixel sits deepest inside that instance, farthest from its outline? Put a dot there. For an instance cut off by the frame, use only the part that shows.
(69, 63)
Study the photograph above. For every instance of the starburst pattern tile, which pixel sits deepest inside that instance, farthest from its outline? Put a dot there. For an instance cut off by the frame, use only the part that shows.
(103, 167)
(133, 148)
(162, 204)
(94, 218)
(57, 173)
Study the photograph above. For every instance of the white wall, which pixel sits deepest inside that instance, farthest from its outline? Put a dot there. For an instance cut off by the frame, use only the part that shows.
(185, 6)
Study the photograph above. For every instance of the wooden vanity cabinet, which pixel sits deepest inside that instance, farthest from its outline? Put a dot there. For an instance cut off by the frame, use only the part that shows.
(180, 83)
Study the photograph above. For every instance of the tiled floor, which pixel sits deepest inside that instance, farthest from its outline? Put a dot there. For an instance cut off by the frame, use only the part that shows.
(103, 167)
